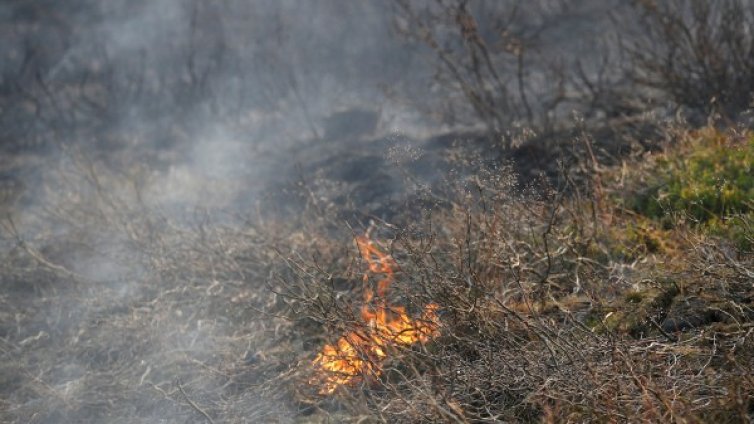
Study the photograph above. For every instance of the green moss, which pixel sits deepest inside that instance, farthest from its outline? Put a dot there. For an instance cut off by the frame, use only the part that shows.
(712, 179)
(707, 180)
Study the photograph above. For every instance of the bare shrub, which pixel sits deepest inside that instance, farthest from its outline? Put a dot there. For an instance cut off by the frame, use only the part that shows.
(116, 309)
(698, 54)
(528, 288)
(483, 55)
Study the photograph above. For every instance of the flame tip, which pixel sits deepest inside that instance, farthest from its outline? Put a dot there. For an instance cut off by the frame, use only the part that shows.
(356, 355)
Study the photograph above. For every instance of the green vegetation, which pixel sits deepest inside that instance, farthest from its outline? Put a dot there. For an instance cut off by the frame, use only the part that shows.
(706, 180)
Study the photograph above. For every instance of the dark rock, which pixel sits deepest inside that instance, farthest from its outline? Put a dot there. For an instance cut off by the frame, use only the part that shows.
(689, 313)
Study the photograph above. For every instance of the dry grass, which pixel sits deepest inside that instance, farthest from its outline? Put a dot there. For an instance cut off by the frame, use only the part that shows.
(115, 310)
(555, 303)
(543, 317)
(558, 301)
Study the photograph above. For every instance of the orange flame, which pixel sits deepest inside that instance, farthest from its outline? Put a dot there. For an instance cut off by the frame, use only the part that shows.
(360, 353)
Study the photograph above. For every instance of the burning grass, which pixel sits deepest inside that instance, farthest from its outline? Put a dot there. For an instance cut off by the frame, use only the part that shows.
(500, 303)
(547, 312)
(359, 354)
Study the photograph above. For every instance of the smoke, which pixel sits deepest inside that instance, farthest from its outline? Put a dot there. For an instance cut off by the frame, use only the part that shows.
(143, 133)
(145, 136)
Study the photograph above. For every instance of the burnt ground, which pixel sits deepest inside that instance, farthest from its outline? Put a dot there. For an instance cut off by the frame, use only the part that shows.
(147, 238)
(126, 301)
(125, 305)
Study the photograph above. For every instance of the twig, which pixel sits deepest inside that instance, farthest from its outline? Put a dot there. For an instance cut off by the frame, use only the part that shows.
(659, 328)
(194, 405)
(39, 257)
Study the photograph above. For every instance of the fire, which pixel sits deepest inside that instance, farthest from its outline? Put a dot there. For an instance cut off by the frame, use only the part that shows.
(360, 353)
